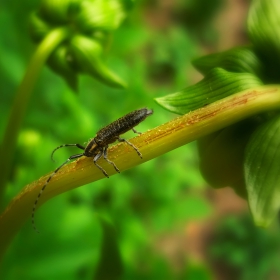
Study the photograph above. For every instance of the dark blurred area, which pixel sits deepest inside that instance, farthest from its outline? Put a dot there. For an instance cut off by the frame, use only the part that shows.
(159, 220)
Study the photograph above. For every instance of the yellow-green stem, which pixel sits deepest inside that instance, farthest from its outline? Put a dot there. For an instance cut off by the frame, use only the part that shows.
(21, 100)
(152, 143)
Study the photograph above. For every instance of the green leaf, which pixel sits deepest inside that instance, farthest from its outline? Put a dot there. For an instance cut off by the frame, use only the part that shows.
(239, 60)
(262, 172)
(110, 265)
(217, 84)
(222, 155)
(264, 28)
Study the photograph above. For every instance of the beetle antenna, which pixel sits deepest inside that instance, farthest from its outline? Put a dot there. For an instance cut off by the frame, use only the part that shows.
(45, 185)
(66, 145)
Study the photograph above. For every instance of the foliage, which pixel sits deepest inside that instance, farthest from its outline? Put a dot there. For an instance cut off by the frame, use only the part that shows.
(140, 204)
(90, 24)
(256, 150)
(260, 257)
(110, 226)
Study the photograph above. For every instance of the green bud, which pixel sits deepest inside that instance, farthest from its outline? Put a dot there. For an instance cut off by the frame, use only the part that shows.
(61, 62)
(90, 23)
(59, 11)
(38, 27)
(100, 14)
(87, 56)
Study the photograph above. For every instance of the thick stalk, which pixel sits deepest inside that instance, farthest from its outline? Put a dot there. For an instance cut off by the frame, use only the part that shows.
(152, 143)
(7, 149)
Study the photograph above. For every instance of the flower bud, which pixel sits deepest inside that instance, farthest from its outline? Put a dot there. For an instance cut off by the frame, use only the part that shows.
(90, 23)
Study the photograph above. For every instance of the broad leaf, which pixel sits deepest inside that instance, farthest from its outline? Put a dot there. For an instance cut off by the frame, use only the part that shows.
(264, 30)
(222, 155)
(262, 171)
(239, 60)
(217, 84)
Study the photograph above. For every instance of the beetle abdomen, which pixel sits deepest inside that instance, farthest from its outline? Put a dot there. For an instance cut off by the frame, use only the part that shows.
(111, 132)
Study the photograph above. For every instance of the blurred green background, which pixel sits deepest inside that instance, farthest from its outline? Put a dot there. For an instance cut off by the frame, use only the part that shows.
(159, 220)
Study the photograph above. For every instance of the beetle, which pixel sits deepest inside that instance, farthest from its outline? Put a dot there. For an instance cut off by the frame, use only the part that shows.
(97, 146)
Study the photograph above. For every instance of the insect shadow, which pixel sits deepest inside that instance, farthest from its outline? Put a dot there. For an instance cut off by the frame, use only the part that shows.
(97, 146)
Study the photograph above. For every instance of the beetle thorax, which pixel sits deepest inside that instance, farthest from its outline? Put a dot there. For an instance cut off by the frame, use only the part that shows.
(92, 148)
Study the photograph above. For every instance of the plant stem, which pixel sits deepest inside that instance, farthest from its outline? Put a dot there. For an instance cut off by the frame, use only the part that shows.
(7, 149)
(152, 143)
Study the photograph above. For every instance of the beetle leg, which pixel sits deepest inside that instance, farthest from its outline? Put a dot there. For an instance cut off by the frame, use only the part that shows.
(130, 144)
(109, 161)
(95, 159)
(45, 185)
(135, 131)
